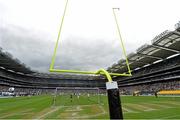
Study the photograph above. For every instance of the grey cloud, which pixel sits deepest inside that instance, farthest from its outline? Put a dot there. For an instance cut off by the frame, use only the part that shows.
(35, 50)
(26, 46)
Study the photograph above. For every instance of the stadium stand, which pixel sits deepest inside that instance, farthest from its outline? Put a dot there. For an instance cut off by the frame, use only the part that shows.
(13, 73)
(7, 61)
(154, 67)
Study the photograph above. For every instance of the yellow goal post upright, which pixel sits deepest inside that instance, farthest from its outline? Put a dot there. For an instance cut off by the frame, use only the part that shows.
(111, 86)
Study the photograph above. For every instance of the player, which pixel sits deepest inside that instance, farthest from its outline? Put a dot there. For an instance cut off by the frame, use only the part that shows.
(156, 95)
(88, 96)
(71, 96)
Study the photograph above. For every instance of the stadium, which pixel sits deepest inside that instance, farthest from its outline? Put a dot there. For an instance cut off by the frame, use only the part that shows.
(152, 92)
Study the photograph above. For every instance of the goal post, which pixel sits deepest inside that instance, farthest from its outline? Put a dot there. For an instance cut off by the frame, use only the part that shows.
(115, 108)
(52, 69)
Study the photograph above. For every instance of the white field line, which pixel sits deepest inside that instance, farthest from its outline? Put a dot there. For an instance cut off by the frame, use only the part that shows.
(75, 111)
(130, 105)
(169, 117)
(51, 111)
(88, 116)
(77, 108)
(127, 110)
(102, 113)
(172, 103)
(74, 114)
(159, 105)
(80, 105)
(145, 108)
(27, 113)
(12, 114)
(152, 105)
(17, 113)
(140, 107)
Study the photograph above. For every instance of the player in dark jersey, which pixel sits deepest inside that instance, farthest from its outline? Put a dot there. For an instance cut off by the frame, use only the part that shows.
(71, 96)
(156, 95)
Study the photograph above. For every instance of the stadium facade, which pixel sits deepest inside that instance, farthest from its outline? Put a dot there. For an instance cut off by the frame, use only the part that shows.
(151, 64)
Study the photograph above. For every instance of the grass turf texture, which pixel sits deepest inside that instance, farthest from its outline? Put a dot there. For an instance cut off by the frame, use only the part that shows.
(40, 107)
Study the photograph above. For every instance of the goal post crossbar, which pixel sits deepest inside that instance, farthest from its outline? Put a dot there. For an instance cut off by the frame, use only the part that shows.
(87, 72)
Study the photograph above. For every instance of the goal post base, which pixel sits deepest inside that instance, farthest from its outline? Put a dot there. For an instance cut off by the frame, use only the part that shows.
(115, 108)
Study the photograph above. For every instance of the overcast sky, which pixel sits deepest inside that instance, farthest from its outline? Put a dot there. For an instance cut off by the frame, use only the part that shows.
(89, 39)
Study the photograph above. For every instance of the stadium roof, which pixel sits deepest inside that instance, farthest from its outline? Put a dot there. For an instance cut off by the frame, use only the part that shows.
(163, 46)
(12, 64)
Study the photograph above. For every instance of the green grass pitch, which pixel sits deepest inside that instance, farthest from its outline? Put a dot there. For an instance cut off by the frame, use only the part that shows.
(40, 107)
